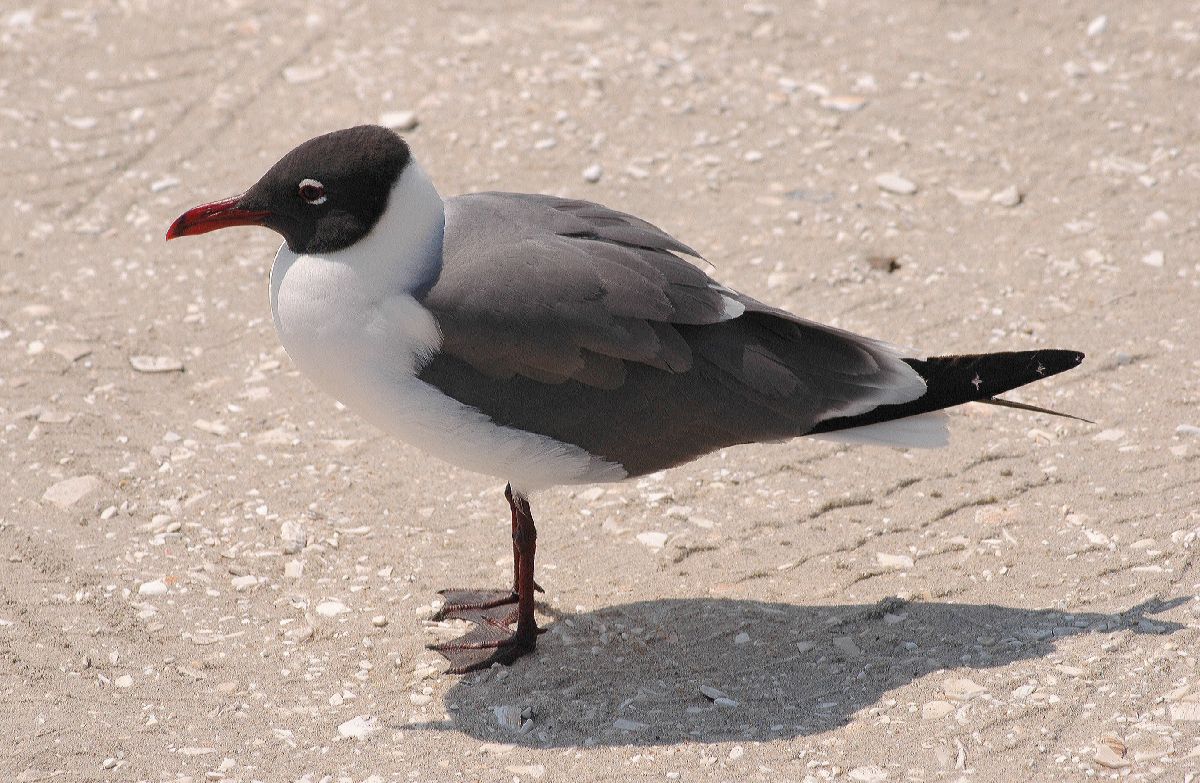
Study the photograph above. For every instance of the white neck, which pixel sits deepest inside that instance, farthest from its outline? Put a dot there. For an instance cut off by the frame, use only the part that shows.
(403, 252)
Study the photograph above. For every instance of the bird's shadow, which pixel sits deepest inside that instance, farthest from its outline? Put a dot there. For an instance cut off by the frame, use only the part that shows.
(631, 674)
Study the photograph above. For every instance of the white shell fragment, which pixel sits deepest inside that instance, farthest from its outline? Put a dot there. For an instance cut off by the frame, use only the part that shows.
(653, 539)
(894, 183)
(893, 561)
(1008, 197)
(293, 536)
(331, 608)
(68, 492)
(155, 364)
(962, 689)
(844, 103)
(360, 727)
(403, 120)
(155, 587)
(593, 173)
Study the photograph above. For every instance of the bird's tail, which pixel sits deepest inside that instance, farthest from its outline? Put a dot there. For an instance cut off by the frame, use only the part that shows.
(954, 380)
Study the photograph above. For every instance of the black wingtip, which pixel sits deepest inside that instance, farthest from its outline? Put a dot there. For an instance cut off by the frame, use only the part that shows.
(954, 380)
(1058, 360)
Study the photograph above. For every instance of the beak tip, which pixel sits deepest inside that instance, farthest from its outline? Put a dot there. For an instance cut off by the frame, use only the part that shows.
(215, 215)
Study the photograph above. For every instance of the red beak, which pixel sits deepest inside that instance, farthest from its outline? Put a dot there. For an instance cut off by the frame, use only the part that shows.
(218, 214)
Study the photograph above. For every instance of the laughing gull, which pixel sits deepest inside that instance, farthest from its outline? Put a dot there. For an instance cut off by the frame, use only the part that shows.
(550, 341)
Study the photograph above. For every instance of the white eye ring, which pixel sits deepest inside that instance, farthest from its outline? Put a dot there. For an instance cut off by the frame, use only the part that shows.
(312, 191)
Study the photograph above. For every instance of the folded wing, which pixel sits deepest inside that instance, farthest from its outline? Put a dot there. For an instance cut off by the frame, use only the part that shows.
(581, 323)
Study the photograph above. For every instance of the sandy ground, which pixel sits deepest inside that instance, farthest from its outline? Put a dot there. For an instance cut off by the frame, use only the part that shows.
(217, 573)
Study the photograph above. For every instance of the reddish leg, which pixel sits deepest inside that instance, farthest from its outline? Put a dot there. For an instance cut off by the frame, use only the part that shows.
(467, 603)
(492, 641)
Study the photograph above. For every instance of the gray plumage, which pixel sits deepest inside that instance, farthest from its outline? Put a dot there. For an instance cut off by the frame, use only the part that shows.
(548, 305)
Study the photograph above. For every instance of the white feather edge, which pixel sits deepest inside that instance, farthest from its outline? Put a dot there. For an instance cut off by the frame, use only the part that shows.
(923, 431)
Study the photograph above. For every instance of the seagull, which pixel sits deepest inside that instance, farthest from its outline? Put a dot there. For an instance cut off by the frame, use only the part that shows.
(552, 341)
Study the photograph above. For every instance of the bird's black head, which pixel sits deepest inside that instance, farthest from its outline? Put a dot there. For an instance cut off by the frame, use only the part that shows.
(322, 196)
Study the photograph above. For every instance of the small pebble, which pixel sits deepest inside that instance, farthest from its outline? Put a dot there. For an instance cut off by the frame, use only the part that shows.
(593, 173)
(242, 584)
(508, 716)
(653, 539)
(1107, 757)
(1097, 26)
(211, 427)
(155, 364)
(869, 774)
(1155, 258)
(124, 681)
(68, 492)
(886, 264)
(970, 196)
(403, 120)
(846, 103)
(302, 74)
(293, 536)
(360, 727)
(847, 646)
(894, 183)
(72, 352)
(1008, 197)
(300, 633)
(379, 621)
(156, 587)
(330, 608)
(166, 183)
(109, 763)
(962, 689)
(893, 561)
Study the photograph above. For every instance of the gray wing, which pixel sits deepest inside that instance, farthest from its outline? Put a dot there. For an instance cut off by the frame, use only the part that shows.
(581, 323)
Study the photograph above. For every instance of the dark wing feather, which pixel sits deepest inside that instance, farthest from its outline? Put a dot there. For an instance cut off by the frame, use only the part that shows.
(578, 322)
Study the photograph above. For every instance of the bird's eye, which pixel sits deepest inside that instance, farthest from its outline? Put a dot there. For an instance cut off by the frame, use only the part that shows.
(312, 191)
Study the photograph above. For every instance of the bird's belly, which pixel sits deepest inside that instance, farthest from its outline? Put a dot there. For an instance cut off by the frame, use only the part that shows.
(364, 349)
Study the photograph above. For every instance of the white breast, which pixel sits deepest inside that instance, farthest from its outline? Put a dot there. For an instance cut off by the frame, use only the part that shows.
(348, 321)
